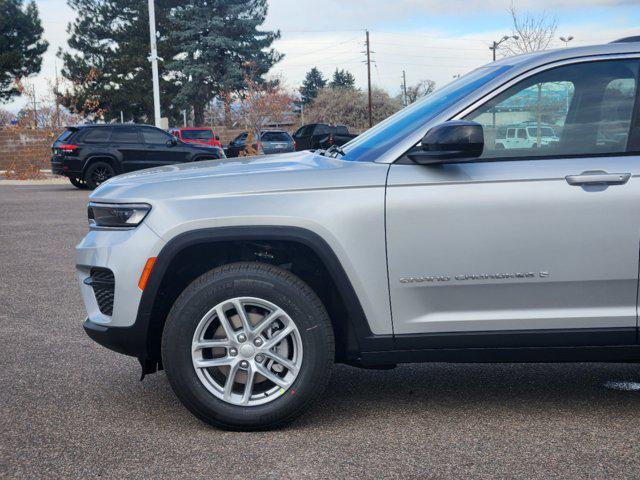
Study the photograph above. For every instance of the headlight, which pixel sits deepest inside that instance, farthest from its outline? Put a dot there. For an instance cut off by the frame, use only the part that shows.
(121, 216)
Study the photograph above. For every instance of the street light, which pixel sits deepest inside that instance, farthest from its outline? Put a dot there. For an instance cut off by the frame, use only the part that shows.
(153, 58)
(494, 46)
(566, 40)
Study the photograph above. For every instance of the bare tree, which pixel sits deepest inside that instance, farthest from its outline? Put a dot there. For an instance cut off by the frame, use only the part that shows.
(419, 90)
(530, 32)
(262, 104)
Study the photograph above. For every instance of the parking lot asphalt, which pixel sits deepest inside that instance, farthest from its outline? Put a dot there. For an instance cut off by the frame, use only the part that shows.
(71, 408)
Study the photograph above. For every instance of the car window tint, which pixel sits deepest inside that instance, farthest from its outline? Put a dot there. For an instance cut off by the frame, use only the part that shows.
(342, 130)
(124, 135)
(155, 136)
(97, 135)
(65, 135)
(579, 109)
(276, 137)
(197, 134)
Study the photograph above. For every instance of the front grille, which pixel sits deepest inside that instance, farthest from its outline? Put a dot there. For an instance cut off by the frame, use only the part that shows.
(103, 283)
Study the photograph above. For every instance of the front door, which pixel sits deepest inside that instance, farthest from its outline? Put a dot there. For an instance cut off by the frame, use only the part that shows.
(529, 240)
(159, 150)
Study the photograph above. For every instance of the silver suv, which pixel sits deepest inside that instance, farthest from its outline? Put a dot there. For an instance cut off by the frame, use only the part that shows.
(418, 241)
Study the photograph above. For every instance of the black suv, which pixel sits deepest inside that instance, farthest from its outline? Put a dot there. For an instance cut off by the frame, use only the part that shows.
(91, 154)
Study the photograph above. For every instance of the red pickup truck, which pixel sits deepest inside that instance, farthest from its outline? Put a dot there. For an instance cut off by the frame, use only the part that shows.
(201, 135)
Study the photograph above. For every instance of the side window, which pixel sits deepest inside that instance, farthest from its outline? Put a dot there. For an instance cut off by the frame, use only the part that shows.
(579, 109)
(97, 135)
(155, 136)
(125, 135)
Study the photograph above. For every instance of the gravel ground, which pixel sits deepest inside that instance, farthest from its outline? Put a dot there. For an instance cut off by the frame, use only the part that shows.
(71, 408)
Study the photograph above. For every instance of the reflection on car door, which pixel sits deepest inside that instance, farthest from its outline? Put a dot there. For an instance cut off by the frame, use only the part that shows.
(531, 242)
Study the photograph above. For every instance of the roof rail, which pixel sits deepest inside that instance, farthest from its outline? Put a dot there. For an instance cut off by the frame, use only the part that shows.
(635, 38)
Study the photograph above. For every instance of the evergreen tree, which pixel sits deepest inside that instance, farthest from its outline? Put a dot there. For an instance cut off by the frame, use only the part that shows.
(108, 65)
(313, 83)
(342, 79)
(221, 45)
(21, 45)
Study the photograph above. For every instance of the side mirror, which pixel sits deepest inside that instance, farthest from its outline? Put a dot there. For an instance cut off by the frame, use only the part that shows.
(450, 142)
(172, 142)
(217, 137)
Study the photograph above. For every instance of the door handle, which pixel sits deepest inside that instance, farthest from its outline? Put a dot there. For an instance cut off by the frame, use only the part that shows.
(598, 177)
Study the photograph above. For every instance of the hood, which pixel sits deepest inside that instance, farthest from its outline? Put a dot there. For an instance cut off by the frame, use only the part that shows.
(244, 175)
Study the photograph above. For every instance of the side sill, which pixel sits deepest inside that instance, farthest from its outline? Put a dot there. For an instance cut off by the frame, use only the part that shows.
(618, 353)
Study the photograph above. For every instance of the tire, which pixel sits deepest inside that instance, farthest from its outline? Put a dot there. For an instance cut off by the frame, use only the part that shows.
(97, 173)
(78, 183)
(308, 350)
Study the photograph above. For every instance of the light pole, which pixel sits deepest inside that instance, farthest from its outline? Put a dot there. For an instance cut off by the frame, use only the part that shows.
(153, 58)
(566, 40)
(494, 46)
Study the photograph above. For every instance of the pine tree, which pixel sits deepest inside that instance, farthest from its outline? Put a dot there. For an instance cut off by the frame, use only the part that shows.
(313, 83)
(21, 45)
(342, 79)
(108, 62)
(221, 45)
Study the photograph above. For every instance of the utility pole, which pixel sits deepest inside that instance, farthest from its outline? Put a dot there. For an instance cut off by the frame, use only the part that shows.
(35, 107)
(184, 118)
(404, 88)
(56, 93)
(369, 78)
(153, 58)
(121, 116)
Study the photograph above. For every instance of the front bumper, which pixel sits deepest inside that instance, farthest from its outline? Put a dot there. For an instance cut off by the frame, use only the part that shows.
(125, 253)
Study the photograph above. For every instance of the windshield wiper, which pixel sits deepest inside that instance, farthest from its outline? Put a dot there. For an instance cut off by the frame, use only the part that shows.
(336, 149)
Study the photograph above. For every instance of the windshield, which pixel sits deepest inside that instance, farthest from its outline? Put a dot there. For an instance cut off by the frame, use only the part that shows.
(369, 146)
(276, 137)
(197, 134)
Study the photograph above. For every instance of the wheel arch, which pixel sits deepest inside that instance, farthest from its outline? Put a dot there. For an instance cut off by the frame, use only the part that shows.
(100, 157)
(301, 251)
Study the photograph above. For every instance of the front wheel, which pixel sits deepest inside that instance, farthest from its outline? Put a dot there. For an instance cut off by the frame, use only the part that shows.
(248, 346)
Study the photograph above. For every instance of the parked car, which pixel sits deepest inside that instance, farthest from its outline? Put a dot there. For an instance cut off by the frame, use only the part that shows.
(91, 154)
(199, 135)
(525, 136)
(416, 242)
(271, 141)
(321, 135)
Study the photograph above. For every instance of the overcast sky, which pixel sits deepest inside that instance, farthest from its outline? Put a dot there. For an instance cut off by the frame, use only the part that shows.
(429, 39)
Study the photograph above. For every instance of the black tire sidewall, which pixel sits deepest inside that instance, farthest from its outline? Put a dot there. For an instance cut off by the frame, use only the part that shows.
(222, 284)
(87, 176)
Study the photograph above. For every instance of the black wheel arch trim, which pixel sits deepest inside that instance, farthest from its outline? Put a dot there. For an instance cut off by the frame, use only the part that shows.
(356, 316)
(98, 157)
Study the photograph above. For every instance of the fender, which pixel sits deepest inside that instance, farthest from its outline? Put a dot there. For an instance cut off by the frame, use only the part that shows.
(144, 324)
(115, 163)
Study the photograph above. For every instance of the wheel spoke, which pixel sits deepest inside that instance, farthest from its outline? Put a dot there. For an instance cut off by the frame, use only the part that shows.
(265, 372)
(213, 362)
(202, 344)
(266, 321)
(288, 364)
(246, 325)
(279, 336)
(228, 386)
(248, 388)
(224, 322)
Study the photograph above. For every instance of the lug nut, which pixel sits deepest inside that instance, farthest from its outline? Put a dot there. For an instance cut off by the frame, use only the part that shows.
(259, 358)
(242, 338)
(233, 352)
(258, 342)
(244, 364)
